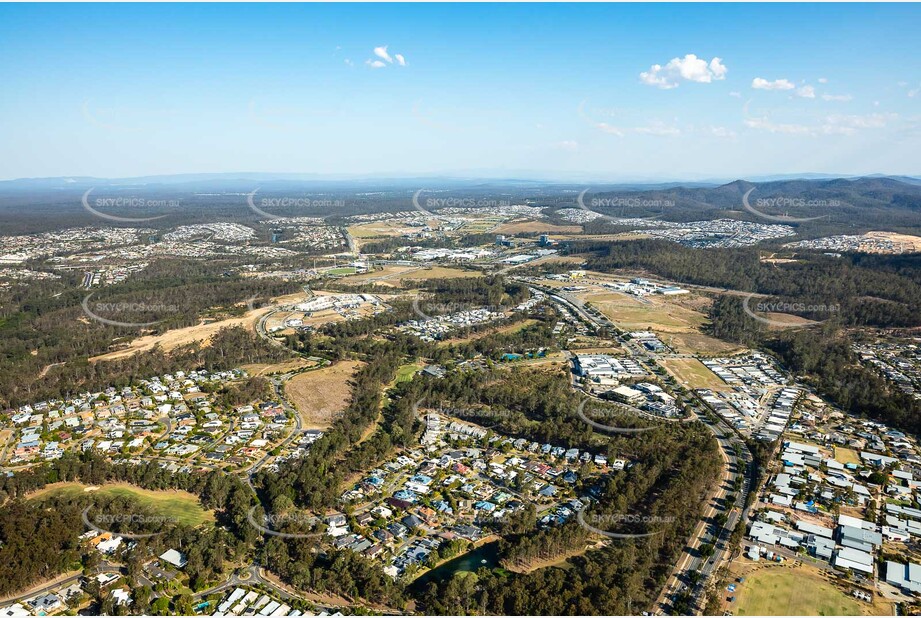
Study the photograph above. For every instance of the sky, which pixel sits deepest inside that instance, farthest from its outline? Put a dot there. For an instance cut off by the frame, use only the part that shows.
(552, 91)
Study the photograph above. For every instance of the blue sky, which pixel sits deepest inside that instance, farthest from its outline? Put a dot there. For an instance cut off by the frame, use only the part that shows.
(541, 90)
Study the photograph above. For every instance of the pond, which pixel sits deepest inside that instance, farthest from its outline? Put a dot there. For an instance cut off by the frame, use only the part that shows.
(486, 555)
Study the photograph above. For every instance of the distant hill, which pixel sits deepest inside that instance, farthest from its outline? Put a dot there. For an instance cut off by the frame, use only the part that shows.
(845, 205)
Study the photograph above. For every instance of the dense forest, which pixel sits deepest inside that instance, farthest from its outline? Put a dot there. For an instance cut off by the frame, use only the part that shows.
(38, 538)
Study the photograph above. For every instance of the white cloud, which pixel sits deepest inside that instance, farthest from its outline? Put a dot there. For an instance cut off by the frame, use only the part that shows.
(690, 68)
(806, 92)
(569, 145)
(721, 132)
(836, 97)
(735, 94)
(610, 129)
(844, 123)
(765, 124)
(913, 93)
(835, 124)
(349, 63)
(381, 52)
(759, 83)
(385, 58)
(823, 80)
(659, 129)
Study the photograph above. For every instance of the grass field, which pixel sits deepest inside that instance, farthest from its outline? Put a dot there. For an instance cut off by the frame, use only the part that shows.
(693, 373)
(783, 591)
(536, 227)
(379, 229)
(846, 455)
(345, 270)
(439, 272)
(406, 372)
(322, 394)
(405, 276)
(678, 322)
(183, 506)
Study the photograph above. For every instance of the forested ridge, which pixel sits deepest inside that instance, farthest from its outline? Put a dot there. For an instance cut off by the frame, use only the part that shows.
(38, 538)
(46, 337)
(883, 291)
(822, 356)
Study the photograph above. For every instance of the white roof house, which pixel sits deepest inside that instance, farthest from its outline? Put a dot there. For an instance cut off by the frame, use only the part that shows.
(174, 557)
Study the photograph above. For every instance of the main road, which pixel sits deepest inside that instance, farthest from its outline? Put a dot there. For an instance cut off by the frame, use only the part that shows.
(730, 446)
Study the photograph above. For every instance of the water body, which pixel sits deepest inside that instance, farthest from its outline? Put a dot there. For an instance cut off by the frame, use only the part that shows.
(486, 555)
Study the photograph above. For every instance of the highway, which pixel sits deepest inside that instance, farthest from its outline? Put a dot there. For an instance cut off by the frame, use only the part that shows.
(729, 443)
(706, 531)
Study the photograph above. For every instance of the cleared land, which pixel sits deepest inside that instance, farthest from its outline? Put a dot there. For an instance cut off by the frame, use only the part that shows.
(183, 506)
(775, 590)
(674, 321)
(694, 374)
(261, 369)
(200, 332)
(846, 455)
(502, 330)
(405, 276)
(378, 229)
(439, 272)
(536, 227)
(319, 396)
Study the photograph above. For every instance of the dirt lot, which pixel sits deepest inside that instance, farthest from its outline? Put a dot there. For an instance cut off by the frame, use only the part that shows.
(846, 455)
(536, 227)
(678, 321)
(321, 395)
(903, 242)
(261, 369)
(200, 332)
(404, 276)
(694, 374)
